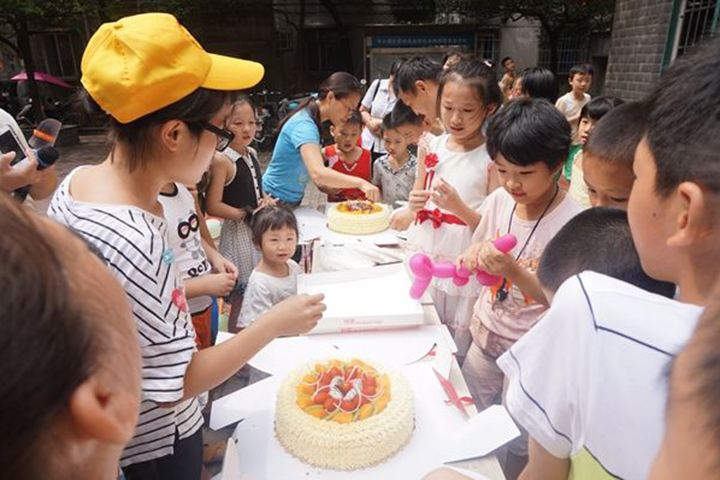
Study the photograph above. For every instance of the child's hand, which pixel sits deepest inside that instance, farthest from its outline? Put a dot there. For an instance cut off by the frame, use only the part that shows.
(445, 196)
(371, 192)
(495, 262)
(297, 314)
(418, 199)
(401, 220)
(221, 264)
(266, 201)
(469, 259)
(220, 284)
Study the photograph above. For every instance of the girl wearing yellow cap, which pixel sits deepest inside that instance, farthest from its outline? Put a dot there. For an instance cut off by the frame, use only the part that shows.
(297, 158)
(167, 100)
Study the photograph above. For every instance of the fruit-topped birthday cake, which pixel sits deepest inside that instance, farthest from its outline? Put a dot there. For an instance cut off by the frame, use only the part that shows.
(358, 217)
(344, 415)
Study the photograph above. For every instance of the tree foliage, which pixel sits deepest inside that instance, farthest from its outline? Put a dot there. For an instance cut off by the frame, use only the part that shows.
(19, 17)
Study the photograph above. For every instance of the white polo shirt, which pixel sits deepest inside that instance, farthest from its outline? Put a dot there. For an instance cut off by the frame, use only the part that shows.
(589, 381)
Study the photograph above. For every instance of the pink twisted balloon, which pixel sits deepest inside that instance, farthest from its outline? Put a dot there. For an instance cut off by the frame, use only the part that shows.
(424, 269)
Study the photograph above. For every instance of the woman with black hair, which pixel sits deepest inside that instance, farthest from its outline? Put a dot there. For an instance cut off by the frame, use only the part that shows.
(297, 158)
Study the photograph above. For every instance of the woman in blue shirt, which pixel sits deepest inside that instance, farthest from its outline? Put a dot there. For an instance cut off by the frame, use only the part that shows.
(297, 157)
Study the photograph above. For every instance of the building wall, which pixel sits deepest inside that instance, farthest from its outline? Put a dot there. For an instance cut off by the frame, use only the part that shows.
(640, 31)
(520, 40)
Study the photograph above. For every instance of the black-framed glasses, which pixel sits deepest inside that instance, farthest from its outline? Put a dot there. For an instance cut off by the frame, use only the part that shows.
(224, 137)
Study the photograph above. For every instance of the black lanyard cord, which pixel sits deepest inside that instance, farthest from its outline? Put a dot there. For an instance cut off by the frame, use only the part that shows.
(502, 293)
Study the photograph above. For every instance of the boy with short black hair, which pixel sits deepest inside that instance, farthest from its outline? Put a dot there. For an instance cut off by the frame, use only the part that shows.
(528, 142)
(605, 172)
(570, 104)
(394, 172)
(590, 114)
(346, 156)
(416, 85)
(598, 240)
(408, 123)
(588, 382)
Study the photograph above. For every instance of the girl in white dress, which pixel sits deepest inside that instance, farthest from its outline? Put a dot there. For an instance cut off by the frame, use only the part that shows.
(457, 174)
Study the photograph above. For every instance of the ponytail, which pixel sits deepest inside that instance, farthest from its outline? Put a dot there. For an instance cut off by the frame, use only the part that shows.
(342, 84)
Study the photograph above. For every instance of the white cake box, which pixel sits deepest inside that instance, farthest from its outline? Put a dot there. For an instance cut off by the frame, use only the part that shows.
(368, 299)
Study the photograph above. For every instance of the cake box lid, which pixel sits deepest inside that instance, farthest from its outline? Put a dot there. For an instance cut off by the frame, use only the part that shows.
(367, 299)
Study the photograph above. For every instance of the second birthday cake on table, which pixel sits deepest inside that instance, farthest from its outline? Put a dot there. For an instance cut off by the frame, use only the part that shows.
(358, 217)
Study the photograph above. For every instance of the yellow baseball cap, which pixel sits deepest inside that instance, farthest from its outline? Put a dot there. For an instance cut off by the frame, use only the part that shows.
(142, 63)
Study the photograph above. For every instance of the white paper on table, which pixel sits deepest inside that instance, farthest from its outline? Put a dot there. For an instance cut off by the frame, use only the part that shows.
(449, 340)
(231, 463)
(336, 259)
(311, 224)
(223, 337)
(469, 474)
(387, 237)
(485, 432)
(283, 354)
(241, 403)
(306, 213)
(443, 360)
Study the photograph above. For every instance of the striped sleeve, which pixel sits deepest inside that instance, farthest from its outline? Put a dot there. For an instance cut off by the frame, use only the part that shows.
(134, 246)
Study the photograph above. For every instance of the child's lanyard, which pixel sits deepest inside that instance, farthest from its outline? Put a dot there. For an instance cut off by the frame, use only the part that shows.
(502, 292)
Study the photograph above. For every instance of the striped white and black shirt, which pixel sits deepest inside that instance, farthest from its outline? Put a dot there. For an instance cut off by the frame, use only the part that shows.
(135, 247)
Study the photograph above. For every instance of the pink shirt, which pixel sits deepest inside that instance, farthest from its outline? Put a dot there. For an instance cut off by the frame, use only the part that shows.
(515, 315)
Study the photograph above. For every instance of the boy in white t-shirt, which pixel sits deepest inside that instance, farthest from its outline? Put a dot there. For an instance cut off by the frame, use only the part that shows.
(588, 383)
(528, 142)
(571, 104)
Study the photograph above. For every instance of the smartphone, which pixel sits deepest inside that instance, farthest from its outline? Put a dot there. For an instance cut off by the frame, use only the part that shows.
(10, 143)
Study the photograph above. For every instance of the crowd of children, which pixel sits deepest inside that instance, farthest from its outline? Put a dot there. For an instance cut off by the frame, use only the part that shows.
(614, 206)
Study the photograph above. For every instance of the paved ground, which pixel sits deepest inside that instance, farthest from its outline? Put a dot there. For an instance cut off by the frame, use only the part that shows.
(94, 149)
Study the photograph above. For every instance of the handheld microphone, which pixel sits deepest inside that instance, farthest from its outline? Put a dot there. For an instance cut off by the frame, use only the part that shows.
(45, 134)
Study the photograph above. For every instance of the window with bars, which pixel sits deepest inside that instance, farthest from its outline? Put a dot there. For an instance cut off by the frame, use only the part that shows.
(572, 50)
(486, 45)
(693, 21)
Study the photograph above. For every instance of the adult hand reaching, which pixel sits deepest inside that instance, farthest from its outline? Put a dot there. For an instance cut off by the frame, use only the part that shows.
(371, 192)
